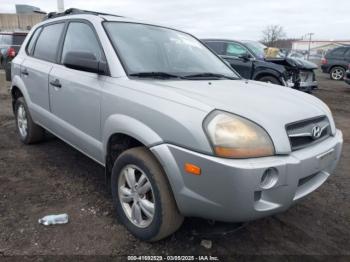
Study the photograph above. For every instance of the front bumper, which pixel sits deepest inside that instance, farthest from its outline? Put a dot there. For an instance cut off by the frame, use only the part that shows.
(308, 84)
(325, 69)
(230, 189)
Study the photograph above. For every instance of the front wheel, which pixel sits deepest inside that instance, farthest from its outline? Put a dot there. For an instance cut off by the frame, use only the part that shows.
(337, 73)
(142, 196)
(270, 79)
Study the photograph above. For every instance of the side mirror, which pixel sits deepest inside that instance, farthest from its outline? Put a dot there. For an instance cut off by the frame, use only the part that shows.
(246, 57)
(84, 61)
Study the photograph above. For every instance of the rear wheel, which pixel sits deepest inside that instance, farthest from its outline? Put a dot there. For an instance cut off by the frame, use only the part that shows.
(270, 79)
(337, 73)
(142, 196)
(28, 131)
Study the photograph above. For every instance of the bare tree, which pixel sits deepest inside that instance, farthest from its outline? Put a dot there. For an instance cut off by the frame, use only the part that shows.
(271, 34)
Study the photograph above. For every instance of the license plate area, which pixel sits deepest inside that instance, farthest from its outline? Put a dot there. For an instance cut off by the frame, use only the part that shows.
(325, 159)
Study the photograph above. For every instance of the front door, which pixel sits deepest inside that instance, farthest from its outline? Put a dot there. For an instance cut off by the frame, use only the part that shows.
(75, 95)
(239, 58)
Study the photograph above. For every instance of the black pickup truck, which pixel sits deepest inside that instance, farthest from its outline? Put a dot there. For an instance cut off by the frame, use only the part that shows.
(248, 59)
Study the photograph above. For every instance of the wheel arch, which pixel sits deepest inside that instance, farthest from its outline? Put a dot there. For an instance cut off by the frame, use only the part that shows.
(264, 74)
(121, 132)
(18, 90)
(333, 66)
(267, 72)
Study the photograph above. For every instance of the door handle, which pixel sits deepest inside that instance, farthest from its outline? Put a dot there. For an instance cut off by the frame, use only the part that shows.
(24, 72)
(56, 83)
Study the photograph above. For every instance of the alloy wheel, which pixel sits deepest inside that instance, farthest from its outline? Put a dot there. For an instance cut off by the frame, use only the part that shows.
(22, 121)
(337, 74)
(136, 196)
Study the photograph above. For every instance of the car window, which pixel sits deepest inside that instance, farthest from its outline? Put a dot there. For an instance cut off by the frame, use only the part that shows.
(80, 37)
(18, 39)
(234, 49)
(6, 40)
(338, 51)
(30, 46)
(48, 41)
(347, 54)
(217, 47)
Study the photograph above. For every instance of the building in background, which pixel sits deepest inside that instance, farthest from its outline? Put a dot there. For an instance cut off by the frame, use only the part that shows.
(318, 47)
(24, 19)
(27, 9)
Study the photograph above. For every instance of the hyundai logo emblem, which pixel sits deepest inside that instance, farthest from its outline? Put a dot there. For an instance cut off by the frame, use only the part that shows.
(316, 132)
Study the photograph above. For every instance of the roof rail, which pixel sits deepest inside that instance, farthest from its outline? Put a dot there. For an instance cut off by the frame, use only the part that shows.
(74, 11)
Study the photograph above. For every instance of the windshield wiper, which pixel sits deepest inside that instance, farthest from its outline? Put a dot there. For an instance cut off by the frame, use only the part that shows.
(208, 75)
(162, 75)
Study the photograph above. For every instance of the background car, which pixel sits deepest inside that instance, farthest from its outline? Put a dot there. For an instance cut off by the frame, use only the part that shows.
(10, 42)
(336, 62)
(248, 59)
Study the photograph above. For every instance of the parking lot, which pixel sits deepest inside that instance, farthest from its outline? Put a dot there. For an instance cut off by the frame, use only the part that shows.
(52, 177)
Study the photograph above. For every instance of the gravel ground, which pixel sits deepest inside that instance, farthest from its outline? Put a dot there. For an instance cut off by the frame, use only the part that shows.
(51, 177)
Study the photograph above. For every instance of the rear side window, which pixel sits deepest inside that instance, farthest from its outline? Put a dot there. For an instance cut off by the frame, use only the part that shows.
(338, 51)
(6, 40)
(18, 39)
(81, 38)
(47, 45)
(31, 44)
(217, 47)
(347, 54)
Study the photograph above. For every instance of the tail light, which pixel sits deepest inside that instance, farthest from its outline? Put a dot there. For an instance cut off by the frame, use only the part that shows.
(324, 61)
(11, 52)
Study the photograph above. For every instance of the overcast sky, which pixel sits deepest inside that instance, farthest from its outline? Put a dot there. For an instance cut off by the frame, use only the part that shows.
(239, 19)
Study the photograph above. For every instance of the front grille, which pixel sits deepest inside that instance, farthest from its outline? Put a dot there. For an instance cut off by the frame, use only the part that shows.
(307, 132)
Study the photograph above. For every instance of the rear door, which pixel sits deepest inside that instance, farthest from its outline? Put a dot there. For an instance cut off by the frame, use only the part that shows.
(347, 56)
(41, 54)
(337, 57)
(75, 95)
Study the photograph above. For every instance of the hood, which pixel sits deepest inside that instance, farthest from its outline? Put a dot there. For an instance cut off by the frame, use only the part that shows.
(293, 62)
(271, 106)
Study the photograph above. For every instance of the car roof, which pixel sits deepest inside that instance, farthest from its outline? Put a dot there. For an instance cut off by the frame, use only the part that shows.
(346, 46)
(92, 15)
(221, 40)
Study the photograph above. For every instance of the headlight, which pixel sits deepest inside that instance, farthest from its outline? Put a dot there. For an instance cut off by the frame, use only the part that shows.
(236, 137)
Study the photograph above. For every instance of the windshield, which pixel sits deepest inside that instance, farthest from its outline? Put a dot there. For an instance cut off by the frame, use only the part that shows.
(256, 47)
(149, 49)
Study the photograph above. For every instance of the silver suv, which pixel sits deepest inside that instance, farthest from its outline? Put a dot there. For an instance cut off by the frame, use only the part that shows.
(178, 131)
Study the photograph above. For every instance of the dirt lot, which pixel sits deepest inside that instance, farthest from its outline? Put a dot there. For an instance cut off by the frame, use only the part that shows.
(52, 177)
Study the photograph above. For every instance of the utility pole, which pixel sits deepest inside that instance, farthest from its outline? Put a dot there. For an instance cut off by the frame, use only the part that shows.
(308, 53)
(60, 6)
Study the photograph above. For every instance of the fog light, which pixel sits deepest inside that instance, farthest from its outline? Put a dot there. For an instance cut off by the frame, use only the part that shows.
(269, 178)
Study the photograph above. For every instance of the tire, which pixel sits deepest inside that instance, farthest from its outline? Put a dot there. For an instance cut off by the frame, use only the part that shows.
(166, 218)
(28, 131)
(337, 73)
(270, 79)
